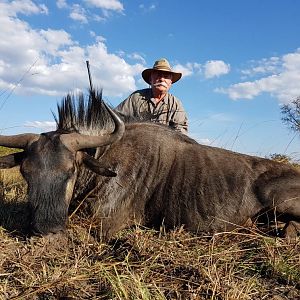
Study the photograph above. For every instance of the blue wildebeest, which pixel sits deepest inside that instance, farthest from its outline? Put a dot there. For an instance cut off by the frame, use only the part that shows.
(144, 173)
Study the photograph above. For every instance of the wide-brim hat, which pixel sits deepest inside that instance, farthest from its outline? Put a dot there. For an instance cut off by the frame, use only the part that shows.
(160, 65)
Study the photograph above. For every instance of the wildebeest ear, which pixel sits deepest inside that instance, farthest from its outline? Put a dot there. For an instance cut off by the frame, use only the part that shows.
(97, 166)
(11, 160)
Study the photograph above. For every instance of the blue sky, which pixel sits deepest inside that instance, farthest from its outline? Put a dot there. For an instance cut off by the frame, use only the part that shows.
(240, 62)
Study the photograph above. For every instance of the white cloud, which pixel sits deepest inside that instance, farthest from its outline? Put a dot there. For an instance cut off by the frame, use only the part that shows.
(43, 9)
(148, 8)
(115, 73)
(98, 38)
(42, 125)
(50, 62)
(26, 7)
(106, 4)
(263, 67)
(98, 18)
(212, 68)
(188, 69)
(84, 12)
(282, 84)
(205, 141)
(215, 68)
(78, 13)
(199, 138)
(137, 57)
(185, 70)
(61, 4)
(246, 90)
(55, 40)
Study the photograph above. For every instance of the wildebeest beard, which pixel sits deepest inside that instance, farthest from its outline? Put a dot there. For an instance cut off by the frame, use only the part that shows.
(48, 207)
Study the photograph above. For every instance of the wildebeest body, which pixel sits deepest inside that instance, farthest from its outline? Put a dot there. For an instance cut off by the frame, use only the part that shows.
(147, 174)
(167, 178)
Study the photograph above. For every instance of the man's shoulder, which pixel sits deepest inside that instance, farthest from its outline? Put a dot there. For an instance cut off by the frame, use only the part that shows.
(138, 95)
(174, 98)
(142, 92)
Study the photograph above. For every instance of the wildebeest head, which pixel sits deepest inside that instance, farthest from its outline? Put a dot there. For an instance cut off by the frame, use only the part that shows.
(50, 164)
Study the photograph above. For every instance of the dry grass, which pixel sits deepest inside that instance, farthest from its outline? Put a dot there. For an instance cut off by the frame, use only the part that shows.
(140, 263)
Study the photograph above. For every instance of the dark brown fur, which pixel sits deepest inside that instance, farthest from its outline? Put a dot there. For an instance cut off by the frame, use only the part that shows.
(163, 177)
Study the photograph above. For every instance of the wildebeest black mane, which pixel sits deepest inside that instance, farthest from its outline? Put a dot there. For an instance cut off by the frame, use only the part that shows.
(87, 114)
(81, 113)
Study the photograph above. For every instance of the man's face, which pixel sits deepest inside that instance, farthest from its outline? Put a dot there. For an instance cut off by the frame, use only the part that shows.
(161, 81)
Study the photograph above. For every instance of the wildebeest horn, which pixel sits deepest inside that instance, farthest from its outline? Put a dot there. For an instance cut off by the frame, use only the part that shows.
(77, 141)
(18, 141)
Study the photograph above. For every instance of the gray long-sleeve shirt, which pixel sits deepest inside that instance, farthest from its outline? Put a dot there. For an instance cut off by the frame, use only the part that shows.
(169, 110)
